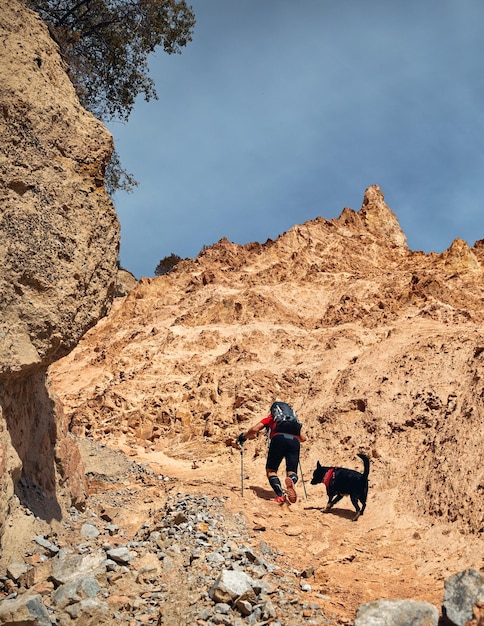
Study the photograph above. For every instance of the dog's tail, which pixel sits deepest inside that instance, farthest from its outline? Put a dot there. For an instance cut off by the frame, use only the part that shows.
(366, 463)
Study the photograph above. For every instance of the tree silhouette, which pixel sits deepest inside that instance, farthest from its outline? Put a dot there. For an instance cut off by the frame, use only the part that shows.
(167, 264)
(106, 44)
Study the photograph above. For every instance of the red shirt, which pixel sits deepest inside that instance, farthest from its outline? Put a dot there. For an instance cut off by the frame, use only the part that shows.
(270, 422)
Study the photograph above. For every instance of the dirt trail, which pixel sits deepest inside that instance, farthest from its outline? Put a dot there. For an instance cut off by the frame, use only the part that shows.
(385, 554)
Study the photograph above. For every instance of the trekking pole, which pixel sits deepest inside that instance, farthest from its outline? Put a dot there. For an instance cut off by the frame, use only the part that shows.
(300, 466)
(242, 467)
(302, 479)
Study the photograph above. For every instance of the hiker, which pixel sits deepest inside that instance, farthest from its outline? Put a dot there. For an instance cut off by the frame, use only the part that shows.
(284, 443)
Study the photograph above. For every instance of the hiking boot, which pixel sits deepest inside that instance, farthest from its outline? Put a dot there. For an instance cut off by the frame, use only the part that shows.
(280, 499)
(291, 491)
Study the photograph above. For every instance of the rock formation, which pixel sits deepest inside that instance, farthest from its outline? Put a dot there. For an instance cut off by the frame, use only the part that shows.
(59, 240)
(125, 282)
(378, 347)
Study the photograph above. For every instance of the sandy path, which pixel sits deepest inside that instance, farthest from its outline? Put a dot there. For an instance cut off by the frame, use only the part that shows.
(385, 554)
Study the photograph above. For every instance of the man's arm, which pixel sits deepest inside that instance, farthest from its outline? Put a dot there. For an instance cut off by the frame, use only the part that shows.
(254, 430)
(251, 433)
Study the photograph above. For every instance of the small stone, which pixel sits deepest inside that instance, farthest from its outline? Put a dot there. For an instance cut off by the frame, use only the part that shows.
(89, 530)
(244, 607)
(120, 555)
(16, 570)
(45, 543)
(308, 572)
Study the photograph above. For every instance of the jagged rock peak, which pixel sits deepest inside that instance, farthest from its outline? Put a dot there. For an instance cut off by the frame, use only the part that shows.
(374, 217)
(459, 256)
(370, 237)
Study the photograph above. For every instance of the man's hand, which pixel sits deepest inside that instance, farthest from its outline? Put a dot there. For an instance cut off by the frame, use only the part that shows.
(241, 439)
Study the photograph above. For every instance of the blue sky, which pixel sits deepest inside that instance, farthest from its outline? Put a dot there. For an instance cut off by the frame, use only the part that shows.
(280, 111)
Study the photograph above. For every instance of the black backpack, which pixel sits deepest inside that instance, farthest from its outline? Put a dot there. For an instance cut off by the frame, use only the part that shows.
(285, 418)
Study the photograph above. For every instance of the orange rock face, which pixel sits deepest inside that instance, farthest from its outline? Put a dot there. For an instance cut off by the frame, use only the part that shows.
(377, 347)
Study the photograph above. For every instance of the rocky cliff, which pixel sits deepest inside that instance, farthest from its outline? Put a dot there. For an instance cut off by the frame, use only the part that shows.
(59, 239)
(378, 347)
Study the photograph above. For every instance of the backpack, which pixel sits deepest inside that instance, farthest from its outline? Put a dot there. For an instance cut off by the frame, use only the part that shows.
(285, 418)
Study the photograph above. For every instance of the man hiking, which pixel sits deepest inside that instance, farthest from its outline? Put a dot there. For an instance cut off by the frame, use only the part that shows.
(284, 443)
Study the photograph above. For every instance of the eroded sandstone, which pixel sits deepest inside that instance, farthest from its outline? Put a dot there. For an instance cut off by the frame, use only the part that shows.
(59, 240)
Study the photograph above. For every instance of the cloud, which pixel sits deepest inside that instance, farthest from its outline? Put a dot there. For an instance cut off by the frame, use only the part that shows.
(281, 111)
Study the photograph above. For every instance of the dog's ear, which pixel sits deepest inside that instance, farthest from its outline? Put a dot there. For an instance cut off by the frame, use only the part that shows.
(319, 466)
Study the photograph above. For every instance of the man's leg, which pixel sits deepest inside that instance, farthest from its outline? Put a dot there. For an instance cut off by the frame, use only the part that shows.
(292, 461)
(291, 480)
(275, 483)
(274, 458)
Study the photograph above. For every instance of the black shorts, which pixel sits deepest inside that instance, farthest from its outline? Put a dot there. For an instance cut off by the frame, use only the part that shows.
(283, 447)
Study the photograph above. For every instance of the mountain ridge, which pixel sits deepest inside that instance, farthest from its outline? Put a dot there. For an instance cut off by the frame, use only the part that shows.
(338, 312)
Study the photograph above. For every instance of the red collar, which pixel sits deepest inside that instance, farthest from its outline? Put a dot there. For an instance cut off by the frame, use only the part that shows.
(327, 477)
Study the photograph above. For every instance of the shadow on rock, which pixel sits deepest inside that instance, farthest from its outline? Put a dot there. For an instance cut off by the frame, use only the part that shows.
(29, 414)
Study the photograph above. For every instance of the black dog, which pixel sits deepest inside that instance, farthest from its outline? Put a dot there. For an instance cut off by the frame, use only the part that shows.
(341, 482)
